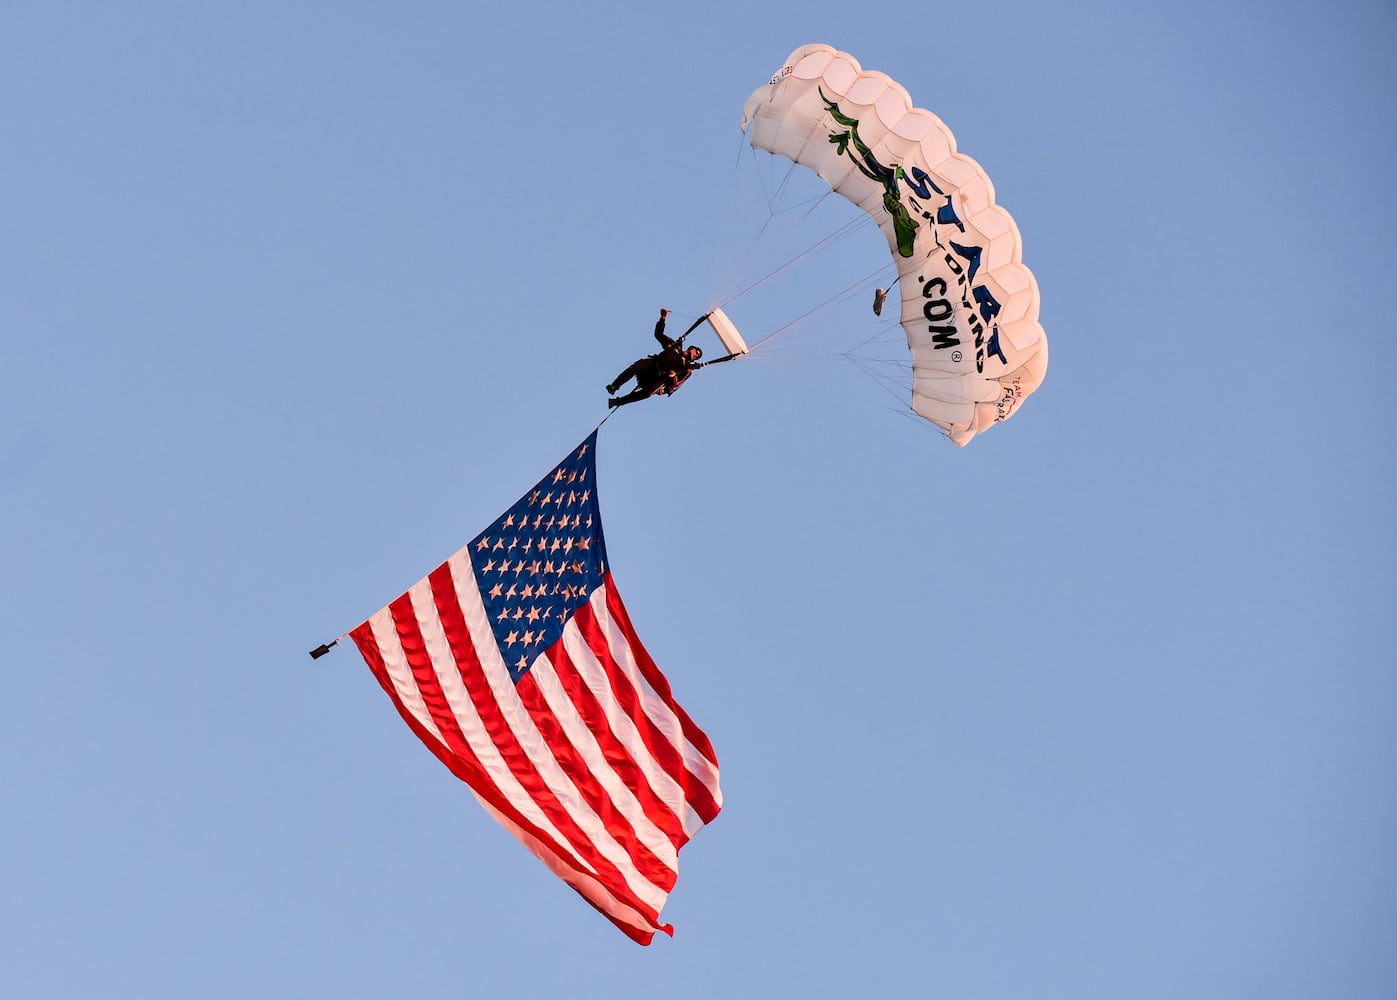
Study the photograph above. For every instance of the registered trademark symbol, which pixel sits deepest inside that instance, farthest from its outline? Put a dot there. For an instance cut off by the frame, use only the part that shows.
(955, 356)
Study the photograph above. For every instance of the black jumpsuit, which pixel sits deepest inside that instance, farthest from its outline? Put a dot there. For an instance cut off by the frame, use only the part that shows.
(663, 372)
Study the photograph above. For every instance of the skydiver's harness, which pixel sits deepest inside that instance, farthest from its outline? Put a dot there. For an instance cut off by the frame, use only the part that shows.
(668, 374)
(667, 378)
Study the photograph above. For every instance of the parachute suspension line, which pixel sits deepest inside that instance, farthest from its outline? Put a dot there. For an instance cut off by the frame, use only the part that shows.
(849, 227)
(877, 332)
(895, 388)
(838, 296)
(772, 191)
(773, 196)
(810, 204)
(878, 378)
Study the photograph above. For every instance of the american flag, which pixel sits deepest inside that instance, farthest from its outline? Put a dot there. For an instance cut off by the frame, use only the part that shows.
(516, 664)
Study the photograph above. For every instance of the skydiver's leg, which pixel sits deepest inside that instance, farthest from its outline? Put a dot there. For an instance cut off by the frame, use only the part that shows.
(634, 396)
(644, 390)
(645, 371)
(632, 372)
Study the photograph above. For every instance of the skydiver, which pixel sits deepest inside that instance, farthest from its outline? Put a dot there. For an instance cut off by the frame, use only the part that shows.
(661, 373)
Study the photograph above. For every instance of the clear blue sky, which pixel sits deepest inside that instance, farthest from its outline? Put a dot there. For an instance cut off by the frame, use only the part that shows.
(295, 299)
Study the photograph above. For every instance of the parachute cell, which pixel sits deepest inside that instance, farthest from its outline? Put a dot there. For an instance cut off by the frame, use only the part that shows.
(969, 305)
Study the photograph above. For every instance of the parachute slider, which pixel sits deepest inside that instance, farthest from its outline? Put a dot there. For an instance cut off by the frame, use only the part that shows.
(727, 333)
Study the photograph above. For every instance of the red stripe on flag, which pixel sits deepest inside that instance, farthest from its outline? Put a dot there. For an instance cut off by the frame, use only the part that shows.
(520, 765)
(620, 755)
(657, 680)
(464, 765)
(634, 925)
(618, 825)
(670, 756)
(540, 843)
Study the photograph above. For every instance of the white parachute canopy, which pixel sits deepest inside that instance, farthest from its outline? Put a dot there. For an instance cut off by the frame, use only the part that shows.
(969, 305)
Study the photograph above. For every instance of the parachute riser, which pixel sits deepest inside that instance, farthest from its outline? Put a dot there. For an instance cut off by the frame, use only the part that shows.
(694, 326)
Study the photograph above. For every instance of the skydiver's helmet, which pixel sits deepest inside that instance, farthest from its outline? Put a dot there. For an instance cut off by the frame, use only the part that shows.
(694, 353)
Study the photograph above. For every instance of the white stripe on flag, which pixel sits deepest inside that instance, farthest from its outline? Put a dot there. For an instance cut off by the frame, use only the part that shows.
(472, 729)
(659, 712)
(532, 742)
(594, 674)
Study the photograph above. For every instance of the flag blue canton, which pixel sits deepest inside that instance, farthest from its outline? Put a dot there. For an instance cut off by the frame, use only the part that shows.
(540, 561)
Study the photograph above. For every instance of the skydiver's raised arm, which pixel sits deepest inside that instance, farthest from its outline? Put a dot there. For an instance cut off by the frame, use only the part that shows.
(664, 340)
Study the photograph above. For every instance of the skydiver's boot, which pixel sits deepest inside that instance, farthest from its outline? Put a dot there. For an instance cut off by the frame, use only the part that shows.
(611, 388)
